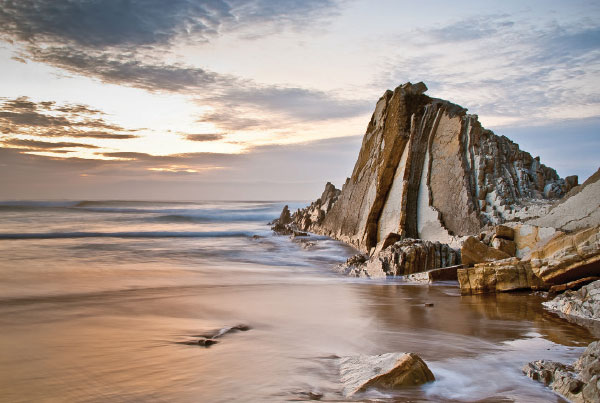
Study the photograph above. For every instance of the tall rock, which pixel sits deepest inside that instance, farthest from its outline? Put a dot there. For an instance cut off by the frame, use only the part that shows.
(428, 170)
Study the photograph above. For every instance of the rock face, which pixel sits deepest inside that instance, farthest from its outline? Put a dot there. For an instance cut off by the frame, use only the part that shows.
(504, 275)
(428, 170)
(474, 251)
(579, 209)
(404, 257)
(568, 257)
(584, 303)
(578, 383)
(385, 371)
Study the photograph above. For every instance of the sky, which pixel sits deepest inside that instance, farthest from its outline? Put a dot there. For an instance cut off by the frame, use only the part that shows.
(268, 100)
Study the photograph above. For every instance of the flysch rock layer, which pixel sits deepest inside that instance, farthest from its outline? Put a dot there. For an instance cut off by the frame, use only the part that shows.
(429, 170)
(579, 209)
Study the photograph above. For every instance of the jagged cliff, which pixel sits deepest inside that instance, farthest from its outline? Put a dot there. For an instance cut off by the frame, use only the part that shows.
(429, 170)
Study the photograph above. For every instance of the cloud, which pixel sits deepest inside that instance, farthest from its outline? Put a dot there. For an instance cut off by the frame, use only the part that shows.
(43, 145)
(509, 69)
(21, 116)
(205, 136)
(124, 43)
(119, 68)
(294, 172)
(143, 23)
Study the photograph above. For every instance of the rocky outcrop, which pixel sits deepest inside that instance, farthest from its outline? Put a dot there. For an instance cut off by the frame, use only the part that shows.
(504, 275)
(579, 382)
(579, 209)
(404, 257)
(583, 303)
(428, 170)
(385, 371)
(474, 251)
(568, 257)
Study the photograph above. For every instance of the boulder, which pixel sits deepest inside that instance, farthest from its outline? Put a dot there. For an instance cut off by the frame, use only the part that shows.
(568, 257)
(580, 383)
(385, 371)
(434, 275)
(509, 274)
(583, 303)
(474, 251)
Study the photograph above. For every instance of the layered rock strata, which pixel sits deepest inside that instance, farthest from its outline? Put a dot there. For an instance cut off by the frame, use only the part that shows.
(428, 170)
(509, 274)
(579, 382)
(404, 257)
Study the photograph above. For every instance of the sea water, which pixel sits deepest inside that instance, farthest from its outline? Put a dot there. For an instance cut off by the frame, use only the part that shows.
(103, 301)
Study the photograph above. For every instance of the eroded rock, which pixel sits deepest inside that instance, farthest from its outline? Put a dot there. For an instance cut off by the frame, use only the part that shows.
(568, 257)
(579, 382)
(428, 170)
(474, 251)
(385, 371)
(509, 274)
(583, 303)
(404, 257)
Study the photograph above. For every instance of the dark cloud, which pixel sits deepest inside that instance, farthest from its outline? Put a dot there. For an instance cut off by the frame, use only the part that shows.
(44, 145)
(122, 42)
(21, 116)
(128, 69)
(134, 23)
(98, 24)
(205, 137)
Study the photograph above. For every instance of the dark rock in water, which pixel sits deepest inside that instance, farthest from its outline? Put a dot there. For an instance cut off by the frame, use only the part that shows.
(225, 330)
(385, 371)
(285, 217)
(579, 383)
(207, 342)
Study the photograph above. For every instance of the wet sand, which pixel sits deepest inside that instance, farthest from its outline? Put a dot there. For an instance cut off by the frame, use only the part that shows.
(122, 346)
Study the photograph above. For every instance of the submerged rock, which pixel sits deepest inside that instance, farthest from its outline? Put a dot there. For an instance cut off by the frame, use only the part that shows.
(579, 383)
(385, 371)
(583, 303)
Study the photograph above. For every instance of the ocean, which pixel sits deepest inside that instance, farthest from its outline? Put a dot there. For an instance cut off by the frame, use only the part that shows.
(105, 301)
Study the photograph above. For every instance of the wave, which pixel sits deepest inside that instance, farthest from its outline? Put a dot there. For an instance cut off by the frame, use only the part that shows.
(220, 217)
(126, 234)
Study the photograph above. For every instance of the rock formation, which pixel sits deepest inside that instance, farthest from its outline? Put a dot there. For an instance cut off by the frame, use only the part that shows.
(404, 257)
(584, 303)
(579, 209)
(579, 383)
(385, 371)
(509, 274)
(431, 186)
(428, 170)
